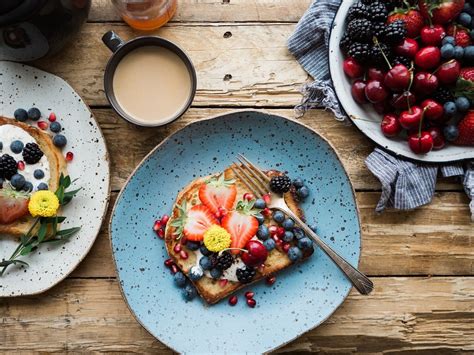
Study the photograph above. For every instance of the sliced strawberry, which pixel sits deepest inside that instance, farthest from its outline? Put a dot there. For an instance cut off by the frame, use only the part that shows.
(440, 11)
(461, 35)
(466, 130)
(218, 193)
(467, 73)
(193, 223)
(241, 224)
(13, 205)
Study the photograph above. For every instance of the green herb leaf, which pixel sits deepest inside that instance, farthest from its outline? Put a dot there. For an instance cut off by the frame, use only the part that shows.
(26, 250)
(66, 233)
(42, 231)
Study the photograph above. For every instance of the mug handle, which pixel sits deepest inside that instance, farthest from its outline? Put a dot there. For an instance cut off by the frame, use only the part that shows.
(112, 41)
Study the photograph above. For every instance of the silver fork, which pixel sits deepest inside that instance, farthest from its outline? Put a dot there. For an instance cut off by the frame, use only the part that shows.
(259, 184)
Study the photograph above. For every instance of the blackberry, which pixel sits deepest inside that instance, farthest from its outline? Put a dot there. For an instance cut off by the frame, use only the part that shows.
(360, 30)
(8, 167)
(224, 261)
(378, 29)
(376, 55)
(392, 4)
(378, 12)
(345, 43)
(443, 95)
(395, 32)
(280, 184)
(359, 51)
(32, 153)
(357, 11)
(401, 60)
(245, 274)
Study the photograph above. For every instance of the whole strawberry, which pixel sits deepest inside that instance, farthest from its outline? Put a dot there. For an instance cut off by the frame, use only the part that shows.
(412, 18)
(440, 11)
(460, 34)
(466, 130)
(465, 83)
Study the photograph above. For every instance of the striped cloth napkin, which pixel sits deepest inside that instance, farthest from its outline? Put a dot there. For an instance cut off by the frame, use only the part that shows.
(405, 185)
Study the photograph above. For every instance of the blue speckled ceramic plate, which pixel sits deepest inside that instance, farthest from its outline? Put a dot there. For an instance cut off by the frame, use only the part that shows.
(303, 296)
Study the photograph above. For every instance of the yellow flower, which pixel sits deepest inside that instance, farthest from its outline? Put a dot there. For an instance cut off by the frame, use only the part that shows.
(43, 203)
(216, 238)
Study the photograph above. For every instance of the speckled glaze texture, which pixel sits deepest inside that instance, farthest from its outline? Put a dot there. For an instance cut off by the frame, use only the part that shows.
(303, 296)
(22, 86)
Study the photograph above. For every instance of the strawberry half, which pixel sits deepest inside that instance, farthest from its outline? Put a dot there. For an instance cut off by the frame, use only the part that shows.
(440, 11)
(241, 224)
(412, 18)
(461, 35)
(193, 223)
(465, 83)
(466, 130)
(218, 193)
(13, 205)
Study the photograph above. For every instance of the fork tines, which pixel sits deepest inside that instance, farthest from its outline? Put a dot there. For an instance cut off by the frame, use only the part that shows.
(254, 178)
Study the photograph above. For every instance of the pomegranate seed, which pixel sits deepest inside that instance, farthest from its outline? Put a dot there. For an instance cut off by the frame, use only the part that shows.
(261, 268)
(164, 219)
(267, 212)
(156, 225)
(169, 262)
(286, 247)
(183, 254)
(177, 248)
(69, 156)
(280, 231)
(251, 302)
(21, 165)
(273, 230)
(161, 233)
(223, 282)
(233, 300)
(267, 198)
(276, 238)
(248, 196)
(42, 125)
(249, 294)
(174, 269)
(222, 211)
(270, 280)
(52, 117)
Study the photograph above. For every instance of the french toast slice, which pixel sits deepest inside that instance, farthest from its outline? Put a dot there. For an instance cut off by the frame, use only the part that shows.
(57, 165)
(212, 291)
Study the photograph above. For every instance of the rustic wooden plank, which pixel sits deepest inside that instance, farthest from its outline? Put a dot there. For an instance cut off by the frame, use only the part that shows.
(218, 11)
(245, 65)
(90, 315)
(437, 239)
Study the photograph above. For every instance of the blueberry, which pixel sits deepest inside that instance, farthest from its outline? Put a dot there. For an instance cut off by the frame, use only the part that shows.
(42, 186)
(449, 109)
(205, 251)
(205, 263)
(451, 132)
(302, 192)
(468, 8)
(192, 245)
(263, 233)
(195, 273)
(260, 203)
(20, 115)
(447, 51)
(299, 233)
(465, 19)
(189, 292)
(18, 181)
(462, 104)
(458, 52)
(448, 39)
(295, 254)
(269, 244)
(59, 140)
(260, 218)
(16, 147)
(469, 55)
(313, 227)
(55, 127)
(288, 236)
(28, 187)
(34, 114)
(298, 182)
(216, 273)
(305, 243)
(288, 224)
(179, 279)
(278, 216)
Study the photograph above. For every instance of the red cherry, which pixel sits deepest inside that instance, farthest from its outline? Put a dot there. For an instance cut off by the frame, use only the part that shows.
(390, 125)
(375, 91)
(233, 300)
(382, 107)
(420, 144)
(20, 165)
(433, 110)
(43, 125)
(52, 117)
(358, 91)
(375, 74)
(397, 78)
(69, 156)
(352, 68)
(251, 303)
(169, 262)
(249, 294)
(270, 280)
(438, 138)
(411, 119)
(432, 35)
(403, 101)
(425, 83)
(248, 196)
(428, 57)
(255, 255)
(407, 48)
(448, 72)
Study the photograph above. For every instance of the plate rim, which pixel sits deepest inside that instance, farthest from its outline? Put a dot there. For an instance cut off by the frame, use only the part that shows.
(108, 190)
(332, 50)
(212, 117)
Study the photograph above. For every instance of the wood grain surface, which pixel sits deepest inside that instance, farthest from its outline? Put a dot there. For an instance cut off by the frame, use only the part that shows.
(422, 261)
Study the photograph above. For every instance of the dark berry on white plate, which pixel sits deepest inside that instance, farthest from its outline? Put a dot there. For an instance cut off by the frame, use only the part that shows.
(42, 186)
(295, 254)
(20, 115)
(360, 30)
(55, 127)
(345, 43)
(16, 146)
(280, 184)
(196, 273)
(395, 32)
(378, 29)
(28, 187)
(18, 181)
(8, 166)
(59, 140)
(359, 51)
(32, 153)
(224, 261)
(378, 12)
(401, 60)
(357, 11)
(377, 52)
(34, 114)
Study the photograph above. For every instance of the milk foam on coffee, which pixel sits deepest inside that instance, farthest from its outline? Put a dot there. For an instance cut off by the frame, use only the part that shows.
(152, 84)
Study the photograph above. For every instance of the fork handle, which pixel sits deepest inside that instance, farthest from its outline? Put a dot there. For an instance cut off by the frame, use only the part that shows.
(361, 282)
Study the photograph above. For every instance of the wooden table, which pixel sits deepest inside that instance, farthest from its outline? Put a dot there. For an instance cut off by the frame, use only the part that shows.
(422, 262)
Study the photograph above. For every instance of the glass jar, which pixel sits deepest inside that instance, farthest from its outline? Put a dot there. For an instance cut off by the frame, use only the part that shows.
(146, 15)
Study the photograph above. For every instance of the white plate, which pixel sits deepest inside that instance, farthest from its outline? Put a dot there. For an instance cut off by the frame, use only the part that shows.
(364, 117)
(23, 86)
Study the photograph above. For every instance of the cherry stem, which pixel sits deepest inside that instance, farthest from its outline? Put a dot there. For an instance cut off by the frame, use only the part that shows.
(421, 120)
(243, 250)
(376, 41)
(437, 69)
